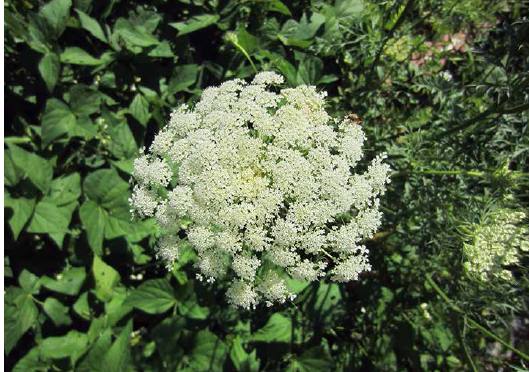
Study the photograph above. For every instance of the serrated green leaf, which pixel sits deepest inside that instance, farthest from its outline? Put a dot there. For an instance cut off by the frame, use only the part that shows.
(139, 108)
(91, 25)
(58, 119)
(49, 68)
(183, 77)
(56, 13)
(72, 345)
(155, 296)
(38, 169)
(78, 56)
(69, 282)
(22, 211)
(208, 352)
(57, 312)
(195, 23)
(20, 313)
(277, 329)
(106, 278)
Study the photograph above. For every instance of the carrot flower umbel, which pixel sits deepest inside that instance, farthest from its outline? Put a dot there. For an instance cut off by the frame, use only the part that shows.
(264, 175)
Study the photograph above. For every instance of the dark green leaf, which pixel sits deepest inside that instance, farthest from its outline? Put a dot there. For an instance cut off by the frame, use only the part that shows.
(49, 218)
(72, 345)
(139, 108)
(243, 361)
(12, 173)
(56, 13)
(95, 358)
(38, 169)
(20, 313)
(22, 211)
(277, 329)
(29, 282)
(78, 56)
(57, 312)
(58, 119)
(91, 25)
(155, 296)
(94, 219)
(135, 35)
(65, 189)
(316, 359)
(118, 358)
(183, 77)
(208, 352)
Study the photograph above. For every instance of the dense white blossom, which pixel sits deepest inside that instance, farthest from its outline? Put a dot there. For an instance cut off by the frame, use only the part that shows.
(495, 244)
(263, 178)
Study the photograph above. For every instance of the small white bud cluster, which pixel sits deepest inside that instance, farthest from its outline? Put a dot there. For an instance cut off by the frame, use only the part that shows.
(495, 244)
(264, 179)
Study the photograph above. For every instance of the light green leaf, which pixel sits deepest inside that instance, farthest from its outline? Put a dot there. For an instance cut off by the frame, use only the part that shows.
(78, 56)
(94, 360)
(118, 357)
(49, 68)
(91, 25)
(163, 50)
(195, 23)
(154, 296)
(208, 352)
(82, 307)
(65, 189)
(31, 363)
(49, 218)
(93, 218)
(68, 283)
(139, 108)
(183, 77)
(277, 329)
(58, 119)
(56, 13)
(72, 345)
(57, 312)
(20, 313)
(278, 6)
(116, 308)
(22, 211)
(38, 169)
(12, 173)
(134, 34)
(122, 143)
(106, 277)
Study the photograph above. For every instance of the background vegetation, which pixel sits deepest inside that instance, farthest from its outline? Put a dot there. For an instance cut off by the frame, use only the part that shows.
(442, 86)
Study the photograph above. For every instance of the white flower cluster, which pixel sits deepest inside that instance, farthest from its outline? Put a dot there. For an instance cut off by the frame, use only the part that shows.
(265, 177)
(495, 245)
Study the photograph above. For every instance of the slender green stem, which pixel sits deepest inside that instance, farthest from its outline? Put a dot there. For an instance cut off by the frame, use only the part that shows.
(472, 321)
(17, 140)
(327, 254)
(243, 51)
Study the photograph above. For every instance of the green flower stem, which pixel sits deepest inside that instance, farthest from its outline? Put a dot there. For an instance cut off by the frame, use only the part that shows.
(472, 321)
(327, 254)
(243, 51)
(16, 140)
(434, 172)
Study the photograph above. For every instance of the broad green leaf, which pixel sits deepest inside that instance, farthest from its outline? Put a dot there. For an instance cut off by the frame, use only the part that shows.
(208, 352)
(78, 56)
(66, 211)
(49, 68)
(246, 40)
(118, 357)
(38, 169)
(134, 34)
(309, 70)
(22, 211)
(277, 329)
(91, 25)
(65, 189)
(56, 13)
(163, 50)
(195, 23)
(106, 277)
(29, 282)
(31, 363)
(316, 359)
(84, 100)
(106, 188)
(58, 119)
(93, 218)
(122, 143)
(243, 361)
(57, 312)
(72, 345)
(20, 313)
(49, 218)
(183, 77)
(68, 283)
(93, 361)
(82, 307)
(12, 173)
(154, 296)
(139, 108)
(278, 6)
